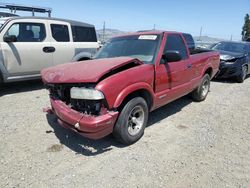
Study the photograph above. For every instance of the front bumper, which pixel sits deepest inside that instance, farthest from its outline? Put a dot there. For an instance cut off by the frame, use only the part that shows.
(229, 70)
(94, 127)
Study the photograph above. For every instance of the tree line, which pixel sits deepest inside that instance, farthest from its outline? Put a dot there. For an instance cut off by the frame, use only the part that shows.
(246, 29)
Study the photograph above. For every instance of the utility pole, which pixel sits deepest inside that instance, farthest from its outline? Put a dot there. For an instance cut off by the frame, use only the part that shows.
(231, 38)
(154, 26)
(200, 33)
(103, 32)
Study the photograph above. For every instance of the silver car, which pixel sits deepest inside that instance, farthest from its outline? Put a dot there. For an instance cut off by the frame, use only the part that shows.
(30, 44)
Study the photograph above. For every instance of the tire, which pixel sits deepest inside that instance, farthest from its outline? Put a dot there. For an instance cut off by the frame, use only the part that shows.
(132, 121)
(200, 93)
(243, 74)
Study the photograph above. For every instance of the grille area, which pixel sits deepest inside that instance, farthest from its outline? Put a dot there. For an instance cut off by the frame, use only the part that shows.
(86, 106)
(62, 92)
(227, 69)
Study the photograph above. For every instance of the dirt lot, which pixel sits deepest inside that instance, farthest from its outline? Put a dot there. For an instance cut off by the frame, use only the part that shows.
(186, 144)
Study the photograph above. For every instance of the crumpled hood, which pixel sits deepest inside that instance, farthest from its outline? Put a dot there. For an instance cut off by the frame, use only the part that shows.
(226, 55)
(89, 71)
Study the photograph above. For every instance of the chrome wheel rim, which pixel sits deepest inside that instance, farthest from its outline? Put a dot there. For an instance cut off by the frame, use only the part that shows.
(135, 120)
(205, 88)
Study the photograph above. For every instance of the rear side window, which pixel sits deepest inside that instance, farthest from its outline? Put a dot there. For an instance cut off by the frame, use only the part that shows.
(60, 32)
(27, 32)
(189, 39)
(84, 34)
(176, 43)
(190, 42)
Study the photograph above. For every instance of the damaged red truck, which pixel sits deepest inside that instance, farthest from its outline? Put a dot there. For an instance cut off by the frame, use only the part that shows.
(129, 77)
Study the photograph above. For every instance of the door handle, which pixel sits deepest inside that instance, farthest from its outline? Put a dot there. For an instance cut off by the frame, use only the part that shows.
(49, 49)
(189, 66)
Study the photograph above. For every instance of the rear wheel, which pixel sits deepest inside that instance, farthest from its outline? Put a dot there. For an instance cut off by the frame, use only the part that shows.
(242, 75)
(132, 121)
(200, 93)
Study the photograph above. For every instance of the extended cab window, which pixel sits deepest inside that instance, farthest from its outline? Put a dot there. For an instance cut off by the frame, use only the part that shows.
(176, 43)
(190, 42)
(84, 34)
(27, 32)
(60, 32)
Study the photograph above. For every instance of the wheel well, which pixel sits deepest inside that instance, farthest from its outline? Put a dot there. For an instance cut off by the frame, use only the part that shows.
(246, 66)
(139, 93)
(84, 59)
(209, 71)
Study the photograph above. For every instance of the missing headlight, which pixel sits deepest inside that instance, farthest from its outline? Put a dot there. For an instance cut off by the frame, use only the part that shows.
(91, 107)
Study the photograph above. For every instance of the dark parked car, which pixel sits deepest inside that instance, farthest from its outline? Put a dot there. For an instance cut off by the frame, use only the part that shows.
(235, 60)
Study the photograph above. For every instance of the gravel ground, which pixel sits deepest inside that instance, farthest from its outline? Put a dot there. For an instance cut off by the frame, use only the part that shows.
(186, 144)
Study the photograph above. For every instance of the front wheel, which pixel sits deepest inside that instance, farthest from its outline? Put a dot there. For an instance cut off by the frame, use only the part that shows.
(200, 93)
(132, 121)
(242, 75)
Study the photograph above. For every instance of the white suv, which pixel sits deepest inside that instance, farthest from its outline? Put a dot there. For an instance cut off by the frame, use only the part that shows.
(29, 44)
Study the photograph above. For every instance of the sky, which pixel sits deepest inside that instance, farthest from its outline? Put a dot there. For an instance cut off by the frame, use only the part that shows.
(218, 18)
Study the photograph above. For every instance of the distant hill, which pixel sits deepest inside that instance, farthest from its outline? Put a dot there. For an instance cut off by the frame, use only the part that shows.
(109, 33)
(206, 39)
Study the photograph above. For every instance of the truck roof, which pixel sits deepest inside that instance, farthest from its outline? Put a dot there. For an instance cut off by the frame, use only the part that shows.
(149, 32)
(71, 22)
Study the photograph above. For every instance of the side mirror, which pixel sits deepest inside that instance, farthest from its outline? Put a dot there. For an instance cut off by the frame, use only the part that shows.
(9, 38)
(171, 56)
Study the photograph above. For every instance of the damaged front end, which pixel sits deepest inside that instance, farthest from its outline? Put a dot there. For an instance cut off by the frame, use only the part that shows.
(74, 97)
(78, 97)
(230, 66)
(82, 108)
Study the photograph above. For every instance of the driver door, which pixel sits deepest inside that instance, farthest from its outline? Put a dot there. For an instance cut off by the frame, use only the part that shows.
(173, 79)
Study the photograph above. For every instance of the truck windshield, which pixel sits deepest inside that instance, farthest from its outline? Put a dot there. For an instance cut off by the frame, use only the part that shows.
(142, 47)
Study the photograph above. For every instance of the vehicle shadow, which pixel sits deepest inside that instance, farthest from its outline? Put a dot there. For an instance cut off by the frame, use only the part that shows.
(224, 80)
(227, 80)
(87, 147)
(18, 87)
(78, 143)
(170, 109)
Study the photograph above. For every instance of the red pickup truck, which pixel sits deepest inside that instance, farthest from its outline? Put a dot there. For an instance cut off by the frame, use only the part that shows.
(130, 76)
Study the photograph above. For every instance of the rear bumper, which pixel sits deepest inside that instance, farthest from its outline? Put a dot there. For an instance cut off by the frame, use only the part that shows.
(94, 127)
